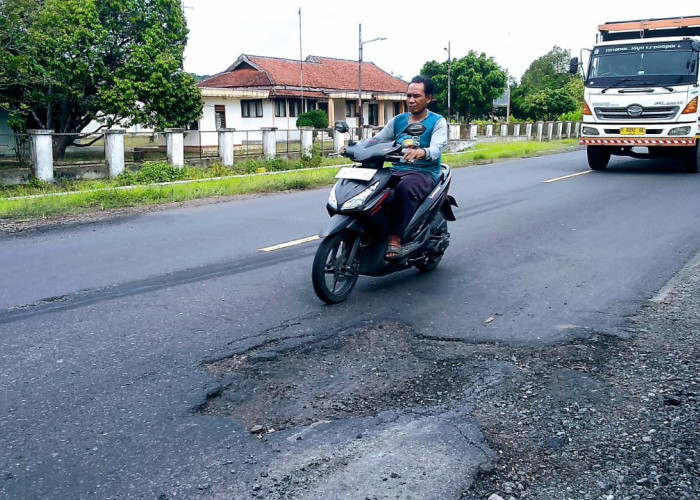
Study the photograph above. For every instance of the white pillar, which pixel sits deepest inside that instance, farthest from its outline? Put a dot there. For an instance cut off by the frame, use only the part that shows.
(174, 140)
(338, 141)
(516, 130)
(540, 128)
(472, 131)
(568, 130)
(560, 128)
(307, 140)
(269, 142)
(114, 151)
(528, 130)
(504, 130)
(550, 130)
(454, 132)
(489, 130)
(226, 146)
(41, 143)
(577, 129)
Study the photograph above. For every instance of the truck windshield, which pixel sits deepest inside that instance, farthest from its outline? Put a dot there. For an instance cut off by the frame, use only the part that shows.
(643, 64)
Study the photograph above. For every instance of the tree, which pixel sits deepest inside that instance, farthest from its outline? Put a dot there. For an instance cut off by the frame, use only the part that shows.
(546, 89)
(64, 63)
(476, 81)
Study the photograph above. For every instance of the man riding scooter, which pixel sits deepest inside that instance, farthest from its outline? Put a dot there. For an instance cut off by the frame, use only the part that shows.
(418, 172)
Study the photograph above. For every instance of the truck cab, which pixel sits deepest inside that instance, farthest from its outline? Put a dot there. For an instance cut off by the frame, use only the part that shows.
(641, 91)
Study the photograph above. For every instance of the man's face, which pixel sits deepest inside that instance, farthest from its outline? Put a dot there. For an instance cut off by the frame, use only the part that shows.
(416, 99)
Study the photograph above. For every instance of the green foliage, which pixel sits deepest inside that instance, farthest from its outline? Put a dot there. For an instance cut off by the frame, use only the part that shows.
(476, 81)
(547, 90)
(66, 62)
(316, 158)
(316, 118)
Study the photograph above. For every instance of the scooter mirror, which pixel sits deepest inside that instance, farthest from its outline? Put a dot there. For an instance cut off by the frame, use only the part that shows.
(341, 126)
(415, 129)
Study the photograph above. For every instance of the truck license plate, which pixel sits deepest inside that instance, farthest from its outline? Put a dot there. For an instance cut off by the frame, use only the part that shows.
(633, 131)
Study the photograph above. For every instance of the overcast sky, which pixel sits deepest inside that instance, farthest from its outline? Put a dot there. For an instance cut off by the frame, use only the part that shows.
(514, 33)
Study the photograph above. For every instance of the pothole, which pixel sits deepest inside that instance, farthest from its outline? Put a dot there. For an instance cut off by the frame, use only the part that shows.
(356, 372)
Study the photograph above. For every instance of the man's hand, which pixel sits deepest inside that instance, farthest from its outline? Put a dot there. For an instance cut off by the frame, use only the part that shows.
(415, 154)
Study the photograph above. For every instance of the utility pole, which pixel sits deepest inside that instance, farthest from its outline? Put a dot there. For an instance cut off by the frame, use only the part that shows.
(449, 83)
(359, 83)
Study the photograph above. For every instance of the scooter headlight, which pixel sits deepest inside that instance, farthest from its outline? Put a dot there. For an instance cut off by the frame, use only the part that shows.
(358, 200)
(332, 200)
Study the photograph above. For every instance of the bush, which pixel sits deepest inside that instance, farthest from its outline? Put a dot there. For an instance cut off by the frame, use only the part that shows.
(159, 171)
(316, 119)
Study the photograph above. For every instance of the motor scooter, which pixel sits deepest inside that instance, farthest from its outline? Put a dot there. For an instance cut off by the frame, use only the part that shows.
(355, 240)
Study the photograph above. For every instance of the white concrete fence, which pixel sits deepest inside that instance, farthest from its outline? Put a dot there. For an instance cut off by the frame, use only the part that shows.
(41, 142)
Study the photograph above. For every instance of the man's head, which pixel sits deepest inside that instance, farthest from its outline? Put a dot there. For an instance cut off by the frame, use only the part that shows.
(420, 92)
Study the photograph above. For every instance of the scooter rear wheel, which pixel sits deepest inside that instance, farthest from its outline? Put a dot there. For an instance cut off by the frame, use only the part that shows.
(332, 274)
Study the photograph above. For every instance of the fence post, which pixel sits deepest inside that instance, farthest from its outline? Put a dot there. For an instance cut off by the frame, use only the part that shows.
(568, 130)
(550, 130)
(516, 130)
(528, 130)
(504, 130)
(540, 129)
(472, 131)
(269, 142)
(338, 141)
(560, 127)
(577, 128)
(226, 146)
(41, 143)
(307, 140)
(454, 132)
(114, 151)
(174, 140)
(489, 130)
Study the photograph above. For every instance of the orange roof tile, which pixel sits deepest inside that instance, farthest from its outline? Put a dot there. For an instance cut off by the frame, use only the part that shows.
(320, 73)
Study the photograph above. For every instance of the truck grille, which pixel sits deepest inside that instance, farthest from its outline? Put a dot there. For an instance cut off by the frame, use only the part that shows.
(648, 113)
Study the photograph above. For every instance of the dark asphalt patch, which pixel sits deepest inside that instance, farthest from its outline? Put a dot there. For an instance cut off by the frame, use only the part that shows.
(360, 372)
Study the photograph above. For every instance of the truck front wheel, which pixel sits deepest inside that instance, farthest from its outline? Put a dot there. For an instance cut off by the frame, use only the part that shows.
(598, 157)
(692, 159)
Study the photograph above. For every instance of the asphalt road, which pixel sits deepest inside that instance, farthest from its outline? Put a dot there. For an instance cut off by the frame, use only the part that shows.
(137, 354)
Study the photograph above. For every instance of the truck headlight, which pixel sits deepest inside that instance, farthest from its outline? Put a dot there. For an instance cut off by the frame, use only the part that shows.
(679, 131)
(359, 200)
(589, 131)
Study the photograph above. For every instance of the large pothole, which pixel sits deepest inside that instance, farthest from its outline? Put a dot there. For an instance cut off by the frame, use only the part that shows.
(357, 372)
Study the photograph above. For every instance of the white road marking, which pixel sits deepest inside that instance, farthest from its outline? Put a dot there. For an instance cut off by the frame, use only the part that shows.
(294, 243)
(567, 176)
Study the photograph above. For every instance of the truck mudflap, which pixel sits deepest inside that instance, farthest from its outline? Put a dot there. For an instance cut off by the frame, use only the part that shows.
(681, 141)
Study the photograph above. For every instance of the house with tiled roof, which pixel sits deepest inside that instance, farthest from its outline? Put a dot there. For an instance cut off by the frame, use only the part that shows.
(258, 92)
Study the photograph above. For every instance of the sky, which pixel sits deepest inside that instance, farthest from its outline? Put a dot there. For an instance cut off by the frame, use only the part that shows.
(513, 33)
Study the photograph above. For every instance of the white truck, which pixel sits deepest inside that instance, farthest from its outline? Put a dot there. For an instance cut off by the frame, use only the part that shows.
(641, 91)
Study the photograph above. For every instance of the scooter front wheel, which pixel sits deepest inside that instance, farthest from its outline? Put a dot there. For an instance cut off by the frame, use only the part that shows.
(333, 275)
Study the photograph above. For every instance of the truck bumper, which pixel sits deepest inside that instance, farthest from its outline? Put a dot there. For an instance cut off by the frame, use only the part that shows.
(638, 141)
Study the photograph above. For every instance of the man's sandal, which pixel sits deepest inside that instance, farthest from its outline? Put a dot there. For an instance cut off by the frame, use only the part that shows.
(394, 252)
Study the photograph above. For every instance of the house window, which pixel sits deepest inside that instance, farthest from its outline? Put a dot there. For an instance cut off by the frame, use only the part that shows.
(310, 104)
(397, 108)
(220, 116)
(374, 114)
(294, 107)
(350, 110)
(251, 108)
(280, 107)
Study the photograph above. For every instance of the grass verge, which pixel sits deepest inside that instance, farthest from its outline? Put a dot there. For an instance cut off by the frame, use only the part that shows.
(42, 200)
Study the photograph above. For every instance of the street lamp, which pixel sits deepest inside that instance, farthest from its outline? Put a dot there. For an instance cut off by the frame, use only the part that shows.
(449, 83)
(359, 84)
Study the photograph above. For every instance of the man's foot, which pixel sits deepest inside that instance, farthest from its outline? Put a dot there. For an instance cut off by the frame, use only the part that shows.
(394, 252)
(393, 249)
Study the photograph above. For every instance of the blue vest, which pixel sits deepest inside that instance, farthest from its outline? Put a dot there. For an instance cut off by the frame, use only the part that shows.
(431, 166)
